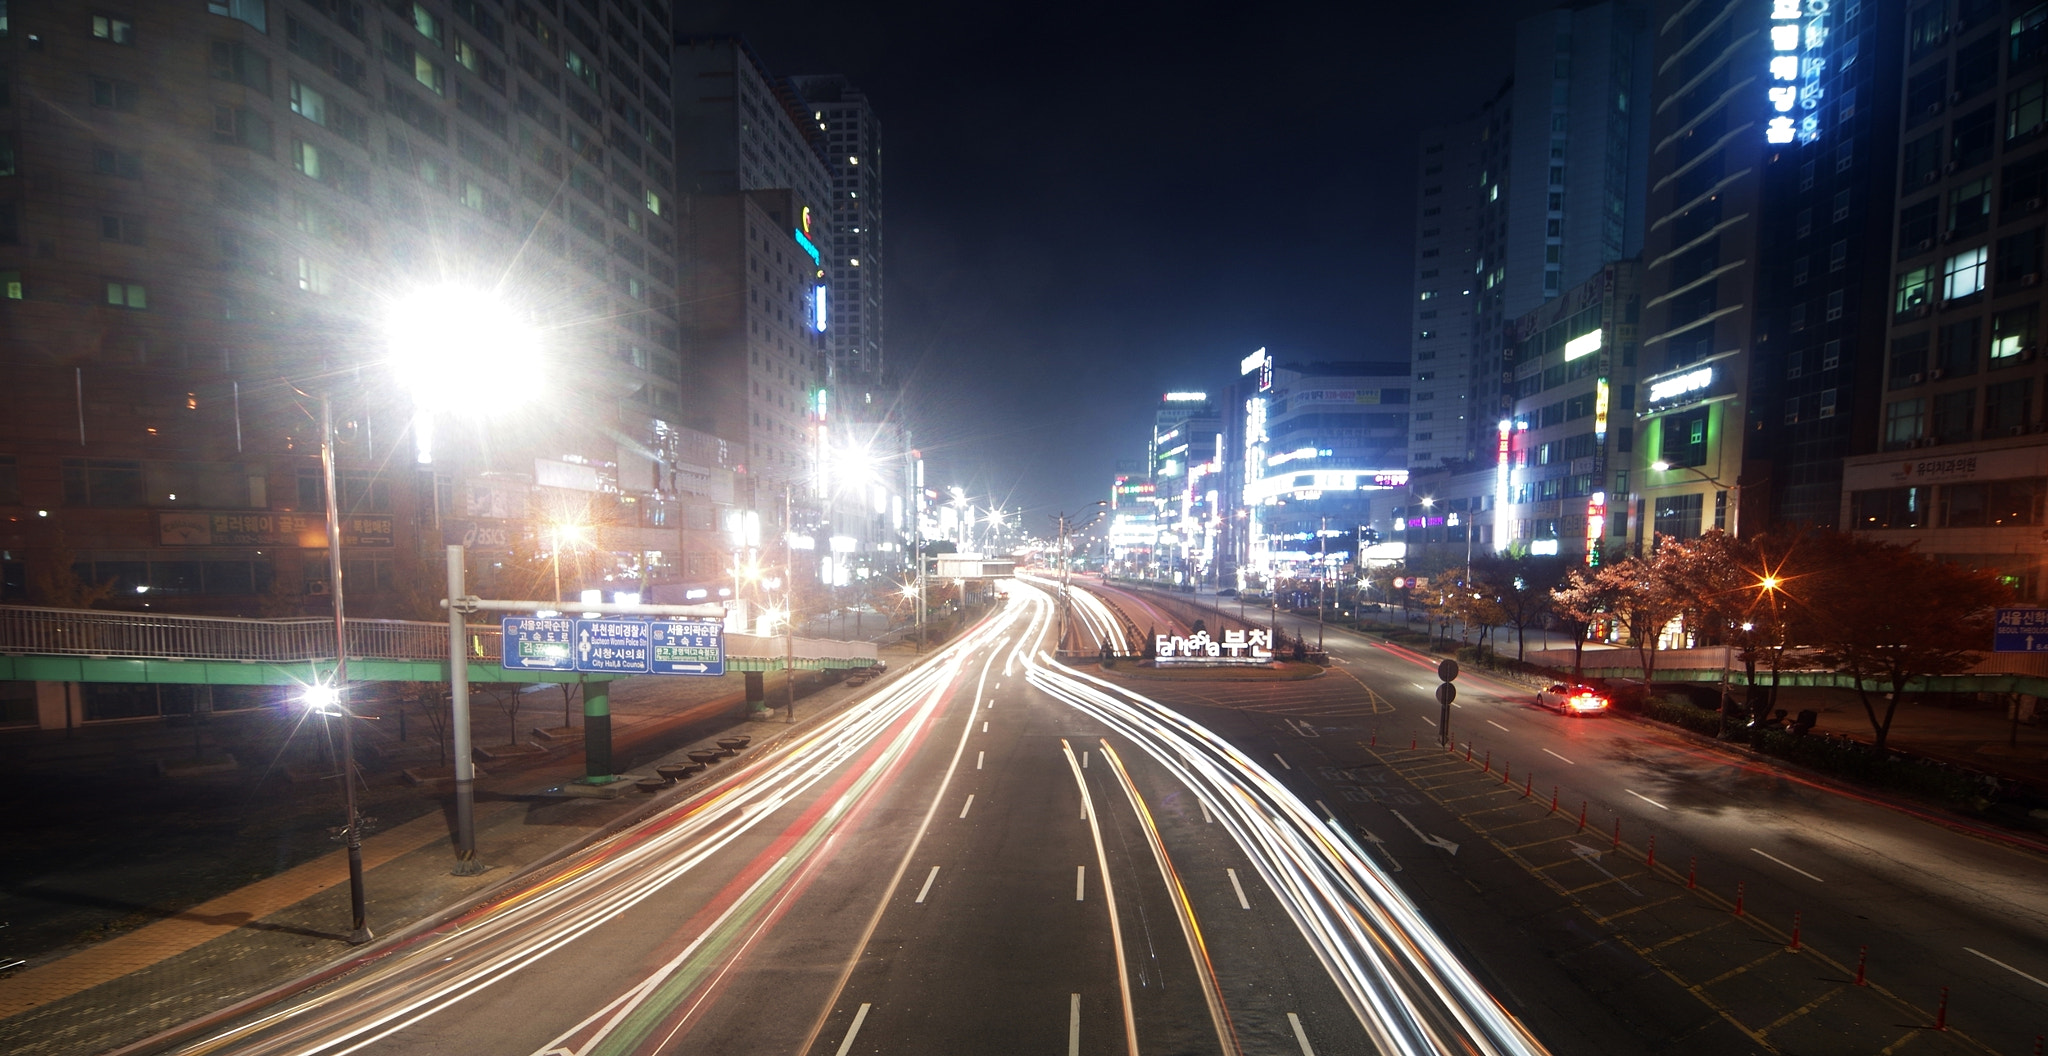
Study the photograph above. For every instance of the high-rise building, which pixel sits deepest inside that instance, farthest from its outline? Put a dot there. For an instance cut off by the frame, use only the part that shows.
(1961, 466)
(1700, 267)
(207, 207)
(853, 159)
(1324, 445)
(1441, 429)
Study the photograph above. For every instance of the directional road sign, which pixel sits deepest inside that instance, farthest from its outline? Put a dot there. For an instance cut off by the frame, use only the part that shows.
(611, 647)
(537, 644)
(687, 647)
(2021, 631)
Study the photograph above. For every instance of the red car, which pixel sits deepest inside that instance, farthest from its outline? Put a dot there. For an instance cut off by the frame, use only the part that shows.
(1573, 700)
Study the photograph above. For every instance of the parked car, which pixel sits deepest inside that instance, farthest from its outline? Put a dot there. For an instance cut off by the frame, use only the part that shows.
(1573, 700)
(1227, 592)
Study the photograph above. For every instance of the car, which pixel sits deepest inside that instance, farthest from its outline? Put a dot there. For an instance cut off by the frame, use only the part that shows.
(1573, 700)
(1227, 592)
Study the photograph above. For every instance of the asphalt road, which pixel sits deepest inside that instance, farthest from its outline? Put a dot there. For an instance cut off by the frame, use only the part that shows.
(1925, 902)
(992, 854)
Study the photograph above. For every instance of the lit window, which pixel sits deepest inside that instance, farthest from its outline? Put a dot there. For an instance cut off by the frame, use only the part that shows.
(312, 276)
(118, 30)
(306, 158)
(1964, 273)
(250, 11)
(127, 294)
(424, 21)
(308, 103)
(425, 72)
(10, 285)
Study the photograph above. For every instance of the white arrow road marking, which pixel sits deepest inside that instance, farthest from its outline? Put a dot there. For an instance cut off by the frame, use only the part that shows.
(1980, 953)
(1645, 799)
(1433, 841)
(1381, 845)
(1790, 866)
(1591, 856)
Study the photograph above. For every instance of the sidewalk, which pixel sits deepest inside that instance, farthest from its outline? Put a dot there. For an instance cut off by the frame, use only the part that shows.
(243, 942)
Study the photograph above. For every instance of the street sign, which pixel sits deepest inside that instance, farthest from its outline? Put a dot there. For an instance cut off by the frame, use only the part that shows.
(1448, 670)
(612, 647)
(2021, 631)
(687, 647)
(1445, 693)
(536, 644)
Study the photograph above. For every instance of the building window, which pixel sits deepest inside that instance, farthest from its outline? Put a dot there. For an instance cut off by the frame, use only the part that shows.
(425, 71)
(114, 95)
(234, 61)
(1953, 412)
(10, 285)
(109, 28)
(1964, 274)
(124, 294)
(428, 26)
(104, 483)
(110, 162)
(2026, 108)
(7, 165)
(1889, 508)
(114, 228)
(1904, 421)
(250, 11)
(308, 103)
(1957, 357)
(1969, 208)
(1678, 516)
(2008, 407)
(312, 276)
(2012, 334)
(306, 158)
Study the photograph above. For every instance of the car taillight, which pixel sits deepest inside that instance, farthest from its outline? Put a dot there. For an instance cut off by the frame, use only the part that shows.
(1588, 702)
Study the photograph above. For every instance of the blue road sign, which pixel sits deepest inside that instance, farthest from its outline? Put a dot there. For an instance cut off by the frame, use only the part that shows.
(687, 647)
(2021, 631)
(611, 647)
(537, 644)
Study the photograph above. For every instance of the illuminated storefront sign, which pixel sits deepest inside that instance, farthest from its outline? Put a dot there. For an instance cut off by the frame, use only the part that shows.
(1681, 385)
(1799, 36)
(1252, 362)
(1187, 397)
(1235, 647)
(1596, 526)
(1601, 395)
(1312, 483)
(1503, 451)
(1582, 345)
(818, 312)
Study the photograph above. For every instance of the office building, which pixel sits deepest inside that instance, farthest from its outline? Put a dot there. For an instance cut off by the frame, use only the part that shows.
(853, 160)
(1441, 430)
(208, 208)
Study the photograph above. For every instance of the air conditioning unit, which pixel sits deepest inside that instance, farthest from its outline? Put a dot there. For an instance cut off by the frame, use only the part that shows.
(1933, 108)
(1924, 245)
(2027, 354)
(1949, 168)
(1955, 97)
(1914, 379)
(2017, 430)
(1937, 374)
(2032, 278)
(1917, 312)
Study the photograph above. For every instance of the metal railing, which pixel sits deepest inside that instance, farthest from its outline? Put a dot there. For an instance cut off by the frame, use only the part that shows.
(156, 636)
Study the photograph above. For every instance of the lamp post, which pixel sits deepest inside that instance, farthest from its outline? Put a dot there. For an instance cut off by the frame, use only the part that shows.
(436, 339)
(336, 693)
(1734, 490)
(1067, 527)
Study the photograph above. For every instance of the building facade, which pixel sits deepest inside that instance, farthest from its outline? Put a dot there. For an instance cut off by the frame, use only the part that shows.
(853, 160)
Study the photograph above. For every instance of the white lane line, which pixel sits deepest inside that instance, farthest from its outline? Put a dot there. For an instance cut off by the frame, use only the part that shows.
(1244, 904)
(2029, 978)
(1282, 762)
(977, 759)
(1080, 882)
(967, 806)
(1792, 867)
(1429, 720)
(1498, 726)
(1073, 1026)
(991, 702)
(1084, 760)
(1300, 1035)
(984, 727)
(1206, 819)
(1327, 812)
(846, 1046)
(1554, 755)
(1645, 799)
(927, 888)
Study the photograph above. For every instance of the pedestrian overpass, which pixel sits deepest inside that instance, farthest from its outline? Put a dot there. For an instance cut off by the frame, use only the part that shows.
(44, 645)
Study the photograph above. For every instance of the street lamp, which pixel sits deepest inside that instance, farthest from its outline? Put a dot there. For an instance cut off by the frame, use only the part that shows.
(327, 701)
(457, 349)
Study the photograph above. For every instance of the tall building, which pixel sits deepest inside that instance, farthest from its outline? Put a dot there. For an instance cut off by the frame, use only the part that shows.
(1829, 191)
(1700, 267)
(208, 207)
(1961, 465)
(1551, 174)
(1441, 427)
(853, 159)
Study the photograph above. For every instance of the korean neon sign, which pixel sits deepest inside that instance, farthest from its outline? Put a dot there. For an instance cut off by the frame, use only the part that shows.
(1798, 36)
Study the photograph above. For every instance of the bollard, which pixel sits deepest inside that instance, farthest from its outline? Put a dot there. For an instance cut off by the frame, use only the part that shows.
(1738, 899)
(1650, 859)
(1489, 762)
(1411, 744)
(1941, 1011)
(1795, 933)
(1529, 784)
(1692, 873)
(1468, 751)
(1507, 774)
(1375, 738)
(1553, 799)
(1582, 815)
(1862, 956)
(2039, 1040)
(1617, 833)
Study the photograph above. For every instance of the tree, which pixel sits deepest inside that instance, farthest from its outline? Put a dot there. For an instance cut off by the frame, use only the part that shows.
(1584, 598)
(1523, 589)
(53, 580)
(1642, 596)
(1887, 614)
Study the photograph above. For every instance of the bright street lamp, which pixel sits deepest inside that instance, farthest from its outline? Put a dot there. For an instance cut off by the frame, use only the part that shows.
(325, 700)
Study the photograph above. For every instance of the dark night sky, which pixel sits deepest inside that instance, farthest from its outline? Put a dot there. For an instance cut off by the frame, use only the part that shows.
(1090, 204)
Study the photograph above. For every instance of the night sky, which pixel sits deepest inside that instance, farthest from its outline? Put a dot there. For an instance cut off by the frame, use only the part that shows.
(1090, 204)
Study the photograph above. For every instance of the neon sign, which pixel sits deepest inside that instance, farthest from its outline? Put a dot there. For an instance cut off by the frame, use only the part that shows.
(1502, 453)
(818, 313)
(1187, 397)
(1683, 384)
(1596, 526)
(809, 247)
(1584, 344)
(1600, 400)
(1798, 35)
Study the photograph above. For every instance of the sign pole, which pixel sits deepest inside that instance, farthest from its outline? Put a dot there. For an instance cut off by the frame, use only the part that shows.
(458, 696)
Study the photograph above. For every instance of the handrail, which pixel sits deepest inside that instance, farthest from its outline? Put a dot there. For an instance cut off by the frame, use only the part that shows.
(160, 636)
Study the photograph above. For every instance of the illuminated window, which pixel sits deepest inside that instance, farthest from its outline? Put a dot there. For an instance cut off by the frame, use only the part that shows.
(308, 103)
(250, 11)
(1964, 274)
(122, 294)
(1914, 288)
(117, 30)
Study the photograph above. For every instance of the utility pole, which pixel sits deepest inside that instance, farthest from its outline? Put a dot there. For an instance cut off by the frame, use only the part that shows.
(789, 601)
(1322, 577)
